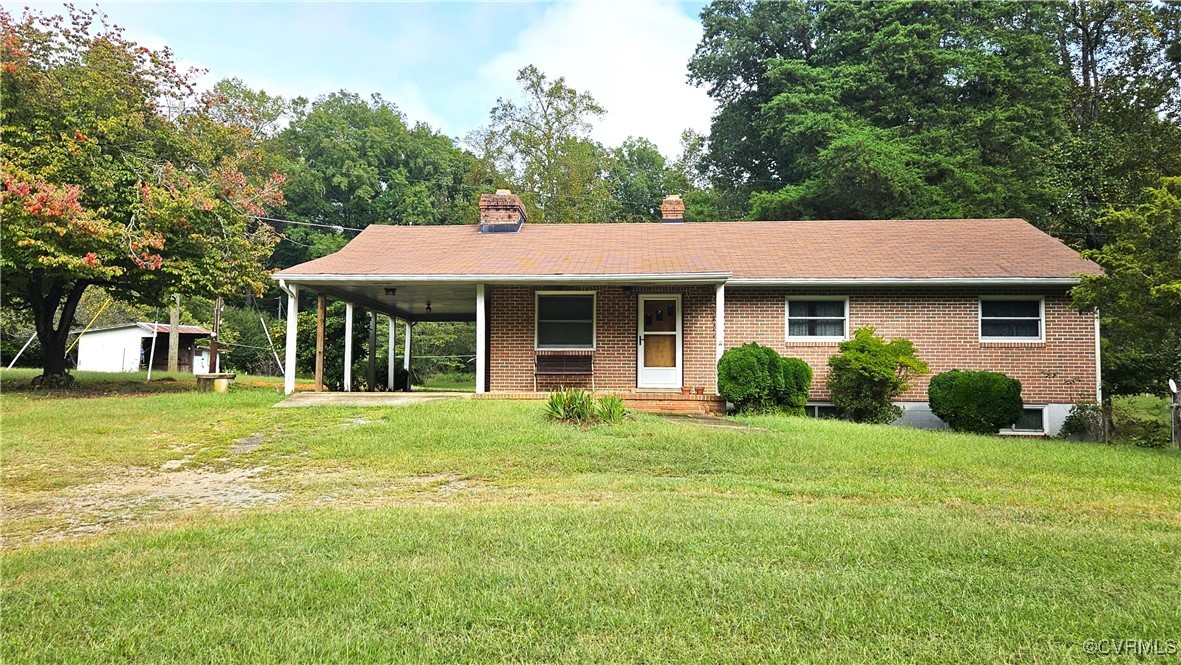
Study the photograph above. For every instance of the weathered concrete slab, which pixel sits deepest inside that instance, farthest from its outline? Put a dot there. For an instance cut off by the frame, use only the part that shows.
(366, 399)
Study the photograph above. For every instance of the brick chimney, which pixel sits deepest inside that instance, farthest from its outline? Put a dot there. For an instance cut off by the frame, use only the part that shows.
(672, 209)
(502, 212)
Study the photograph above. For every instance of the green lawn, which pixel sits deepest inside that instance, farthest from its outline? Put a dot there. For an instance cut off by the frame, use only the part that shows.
(204, 527)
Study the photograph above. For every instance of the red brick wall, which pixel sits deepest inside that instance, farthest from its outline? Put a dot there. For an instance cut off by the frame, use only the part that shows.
(511, 327)
(943, 324)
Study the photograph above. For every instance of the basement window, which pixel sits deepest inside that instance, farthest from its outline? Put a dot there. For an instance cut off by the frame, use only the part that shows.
(822, 411)
(565, 321)
(1009, 319)
(1032, 421)
(817, 319)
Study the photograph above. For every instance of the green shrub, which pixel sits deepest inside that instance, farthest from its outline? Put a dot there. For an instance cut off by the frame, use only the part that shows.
(976, 402)
(610, 409)
(797, 384)
(869, 373)
(1142, 420)
(574, 405)
(757, 378)
(1083, 423)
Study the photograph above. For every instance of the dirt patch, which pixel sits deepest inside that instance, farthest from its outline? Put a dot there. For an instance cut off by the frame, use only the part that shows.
(247, 444)
(137, 495)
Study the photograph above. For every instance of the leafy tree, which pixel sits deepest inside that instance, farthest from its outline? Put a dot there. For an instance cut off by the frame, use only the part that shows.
(639, 177)
(113, 174)
(869, 373)
(542, 147)
(883, 109)
(1123, 64)
(355, 162)
(1139, 296)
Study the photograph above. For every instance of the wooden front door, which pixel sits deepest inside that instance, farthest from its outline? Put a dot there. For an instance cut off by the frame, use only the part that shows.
(659, 342)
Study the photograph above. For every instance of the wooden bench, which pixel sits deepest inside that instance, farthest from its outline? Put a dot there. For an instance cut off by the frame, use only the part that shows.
(563, 363)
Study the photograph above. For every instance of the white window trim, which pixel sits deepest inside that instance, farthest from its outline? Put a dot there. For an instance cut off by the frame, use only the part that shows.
(594, 320)
(1009, 431)
(806, 338)
(1041, 324)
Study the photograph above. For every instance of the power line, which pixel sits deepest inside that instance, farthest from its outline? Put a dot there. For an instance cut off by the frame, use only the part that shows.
(334, 227)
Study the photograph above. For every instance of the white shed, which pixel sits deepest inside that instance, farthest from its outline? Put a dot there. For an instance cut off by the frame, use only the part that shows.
(127, 348)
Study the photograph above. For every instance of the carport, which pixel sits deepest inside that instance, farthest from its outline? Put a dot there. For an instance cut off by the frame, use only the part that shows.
(408, 299)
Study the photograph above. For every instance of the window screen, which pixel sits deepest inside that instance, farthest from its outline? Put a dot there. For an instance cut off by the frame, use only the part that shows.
(1018, 319)
(565, 322)
(816, 318)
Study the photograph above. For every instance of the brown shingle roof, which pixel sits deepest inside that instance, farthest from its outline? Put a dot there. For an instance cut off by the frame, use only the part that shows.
(873, 249)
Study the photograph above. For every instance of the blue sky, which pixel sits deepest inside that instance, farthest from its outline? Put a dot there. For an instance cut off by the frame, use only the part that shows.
(444, 63)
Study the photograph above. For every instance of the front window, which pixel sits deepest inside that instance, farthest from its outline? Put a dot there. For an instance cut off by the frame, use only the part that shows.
(566, 321)
(817, 319)
(1011, 319)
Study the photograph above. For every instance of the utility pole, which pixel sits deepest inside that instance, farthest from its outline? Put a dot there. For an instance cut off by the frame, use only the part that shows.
(214, 362)
(174, 334)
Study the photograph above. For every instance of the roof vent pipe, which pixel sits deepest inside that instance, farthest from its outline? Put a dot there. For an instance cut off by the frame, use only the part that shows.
(502, 212)
(672, 209)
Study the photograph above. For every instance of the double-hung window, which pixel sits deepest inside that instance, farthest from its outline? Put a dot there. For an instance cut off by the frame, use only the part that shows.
(565, 320)
(1012, 319)
(817, 319)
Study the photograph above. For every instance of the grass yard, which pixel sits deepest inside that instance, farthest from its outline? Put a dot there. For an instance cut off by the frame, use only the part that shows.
(179, 526)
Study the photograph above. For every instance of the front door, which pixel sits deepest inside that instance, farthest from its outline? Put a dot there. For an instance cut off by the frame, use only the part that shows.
(659, 342)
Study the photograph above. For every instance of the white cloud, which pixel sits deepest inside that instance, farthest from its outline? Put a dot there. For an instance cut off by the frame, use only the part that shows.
(631, 57)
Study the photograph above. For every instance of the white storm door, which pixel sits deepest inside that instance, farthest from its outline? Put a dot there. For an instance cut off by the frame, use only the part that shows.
(659, 342)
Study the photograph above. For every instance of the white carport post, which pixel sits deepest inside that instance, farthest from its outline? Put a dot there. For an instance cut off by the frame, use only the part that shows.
(292, 331)
(348, 347)
(406, 355)
(481, 328)
(389, 370)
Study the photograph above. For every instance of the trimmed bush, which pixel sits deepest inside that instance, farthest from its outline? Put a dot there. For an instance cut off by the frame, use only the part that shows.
(797, 384)
(869, 373)
(757, 378)
(976, 402)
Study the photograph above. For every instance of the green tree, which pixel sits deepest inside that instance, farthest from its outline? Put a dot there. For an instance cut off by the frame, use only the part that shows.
(1139, 295)
(1123, 64)
(639, 177)
(541, 145)
(883, 109)
(355, 162)
(113, 174)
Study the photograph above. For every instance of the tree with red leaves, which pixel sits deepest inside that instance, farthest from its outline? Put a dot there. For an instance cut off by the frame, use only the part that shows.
(114, 172)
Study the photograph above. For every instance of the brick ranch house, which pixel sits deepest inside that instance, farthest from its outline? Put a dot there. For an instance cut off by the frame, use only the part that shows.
(646, 310)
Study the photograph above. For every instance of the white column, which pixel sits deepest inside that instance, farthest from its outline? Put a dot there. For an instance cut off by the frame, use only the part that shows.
(719, 323)
(406, 349)
(389, 370)
(292, 331)
(348, 347)
(481, 327)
